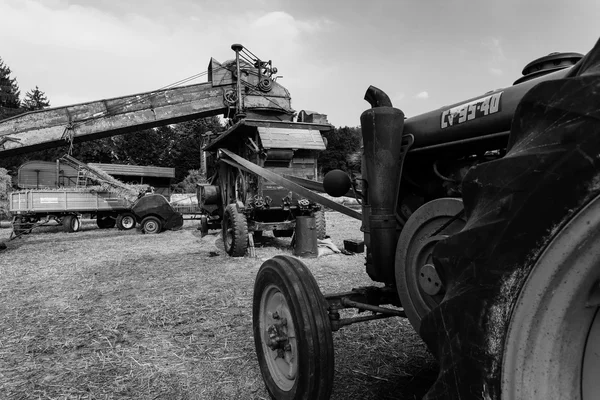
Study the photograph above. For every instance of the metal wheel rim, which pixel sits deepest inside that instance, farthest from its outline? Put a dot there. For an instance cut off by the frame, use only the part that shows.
(416, 244)
(283, 371)
(127, 222)
(75, 224)
(552, 342)
(151, 226)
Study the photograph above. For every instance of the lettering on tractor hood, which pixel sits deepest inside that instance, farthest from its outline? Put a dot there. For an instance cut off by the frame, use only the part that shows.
(473, 109)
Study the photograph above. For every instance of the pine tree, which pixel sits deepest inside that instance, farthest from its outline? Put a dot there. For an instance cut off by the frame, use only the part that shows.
(9, 92)
(35, 99)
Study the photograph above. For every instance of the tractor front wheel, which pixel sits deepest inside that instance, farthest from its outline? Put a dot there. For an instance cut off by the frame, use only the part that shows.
(292, 332)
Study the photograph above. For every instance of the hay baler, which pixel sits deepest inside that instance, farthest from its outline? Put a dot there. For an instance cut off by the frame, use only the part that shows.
(482, 222)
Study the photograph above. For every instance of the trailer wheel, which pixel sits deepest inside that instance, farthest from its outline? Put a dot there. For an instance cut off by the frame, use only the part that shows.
(71, 223)
(320, 224)
(151, 225)
(125, 221)
(235, 231)
(105, 222)
(292, 332)
(519, 319)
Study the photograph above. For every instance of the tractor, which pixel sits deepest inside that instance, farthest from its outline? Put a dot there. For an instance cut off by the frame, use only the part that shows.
(482, 227)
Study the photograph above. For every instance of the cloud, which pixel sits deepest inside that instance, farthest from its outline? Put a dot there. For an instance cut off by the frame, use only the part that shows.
(397, 98)
(496, 71)
(83, 52)
(494, 46)
(422, 95)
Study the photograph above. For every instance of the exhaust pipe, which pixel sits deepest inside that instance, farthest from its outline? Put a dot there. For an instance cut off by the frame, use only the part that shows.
(382, 128)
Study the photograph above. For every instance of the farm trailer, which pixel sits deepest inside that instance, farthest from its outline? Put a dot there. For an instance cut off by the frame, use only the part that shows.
(33, 208)
(482, 227)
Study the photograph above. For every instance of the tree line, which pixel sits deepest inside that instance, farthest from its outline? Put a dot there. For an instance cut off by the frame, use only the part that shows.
(177, 146)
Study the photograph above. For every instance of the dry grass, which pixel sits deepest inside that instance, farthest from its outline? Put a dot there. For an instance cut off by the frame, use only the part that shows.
(107, 314)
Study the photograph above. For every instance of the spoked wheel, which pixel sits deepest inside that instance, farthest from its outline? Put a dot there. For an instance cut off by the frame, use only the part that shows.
(151, 225)
(240, 187)
(125, 221)
(420, 286)
(552, 348)
(292, 333)
(71, 223)
(235, 231)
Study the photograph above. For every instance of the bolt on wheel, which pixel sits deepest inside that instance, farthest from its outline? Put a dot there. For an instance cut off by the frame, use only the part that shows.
(279, 339)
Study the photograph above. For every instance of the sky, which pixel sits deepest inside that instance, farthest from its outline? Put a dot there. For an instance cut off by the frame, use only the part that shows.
(425, 54)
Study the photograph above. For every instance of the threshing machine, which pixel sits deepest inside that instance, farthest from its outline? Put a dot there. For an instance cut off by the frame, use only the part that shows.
(264, 138)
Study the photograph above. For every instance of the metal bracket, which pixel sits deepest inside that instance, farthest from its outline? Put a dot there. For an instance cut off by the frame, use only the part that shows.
(364, 299)
(237, 161)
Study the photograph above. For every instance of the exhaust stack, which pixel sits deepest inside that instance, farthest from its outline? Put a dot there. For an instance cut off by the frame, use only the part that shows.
(382, 128)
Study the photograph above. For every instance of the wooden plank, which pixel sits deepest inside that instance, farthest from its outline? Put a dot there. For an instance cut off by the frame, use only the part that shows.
(287, 138)
(136, 170)
(97, 119)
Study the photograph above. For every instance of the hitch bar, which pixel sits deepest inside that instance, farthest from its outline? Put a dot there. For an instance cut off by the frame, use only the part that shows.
(364, 299)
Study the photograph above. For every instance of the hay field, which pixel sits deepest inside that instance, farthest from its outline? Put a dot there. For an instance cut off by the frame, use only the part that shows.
(107, 314)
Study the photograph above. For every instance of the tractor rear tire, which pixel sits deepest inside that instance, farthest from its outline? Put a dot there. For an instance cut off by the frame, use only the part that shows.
(235, 231)
(552, 347)
(125, 221)
(71, 223)
(519, 319)
(292, 331)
